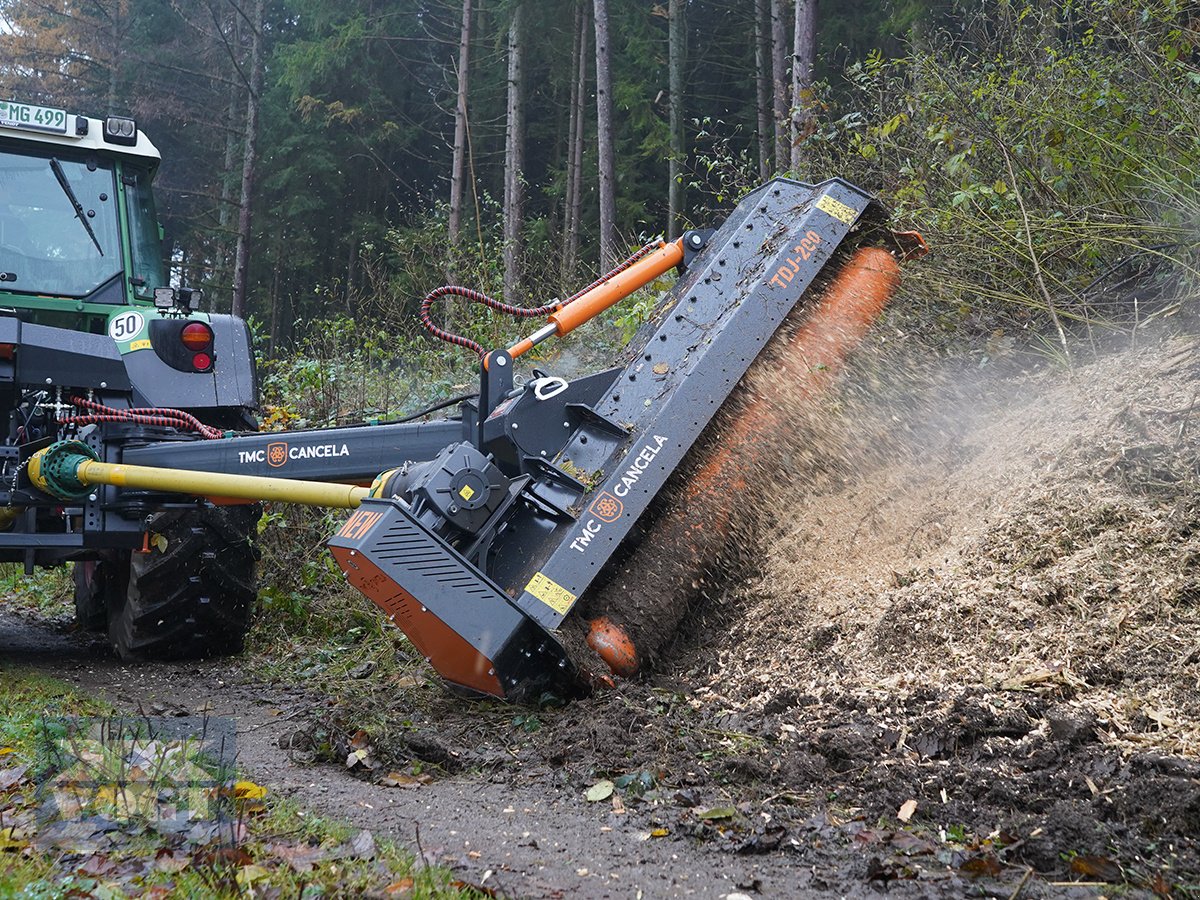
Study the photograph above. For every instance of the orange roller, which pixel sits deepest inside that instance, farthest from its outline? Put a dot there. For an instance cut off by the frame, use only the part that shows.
(703, 520)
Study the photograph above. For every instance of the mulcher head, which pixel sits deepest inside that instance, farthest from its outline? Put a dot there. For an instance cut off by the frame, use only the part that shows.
(483, 553)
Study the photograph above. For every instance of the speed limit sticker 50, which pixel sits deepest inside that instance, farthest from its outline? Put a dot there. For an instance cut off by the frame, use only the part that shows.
(126, 326)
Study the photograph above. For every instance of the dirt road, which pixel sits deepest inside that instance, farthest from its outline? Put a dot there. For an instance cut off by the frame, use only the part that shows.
(523, 836)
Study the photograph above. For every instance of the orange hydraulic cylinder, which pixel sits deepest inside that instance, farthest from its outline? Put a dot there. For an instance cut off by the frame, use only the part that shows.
(601, 297)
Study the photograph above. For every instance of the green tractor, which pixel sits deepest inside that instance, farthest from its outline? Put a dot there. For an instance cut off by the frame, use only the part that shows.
(92, 332)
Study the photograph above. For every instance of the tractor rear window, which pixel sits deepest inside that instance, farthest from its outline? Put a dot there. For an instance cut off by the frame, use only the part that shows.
(58, 225)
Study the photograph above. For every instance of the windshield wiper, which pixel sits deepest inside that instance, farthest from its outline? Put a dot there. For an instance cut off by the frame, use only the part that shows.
(57, 169)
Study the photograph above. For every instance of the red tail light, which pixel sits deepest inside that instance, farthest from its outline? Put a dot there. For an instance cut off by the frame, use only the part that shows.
(202, 362)
(196, 336)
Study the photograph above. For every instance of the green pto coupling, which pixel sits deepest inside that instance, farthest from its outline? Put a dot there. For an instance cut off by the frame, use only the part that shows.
(55, 469)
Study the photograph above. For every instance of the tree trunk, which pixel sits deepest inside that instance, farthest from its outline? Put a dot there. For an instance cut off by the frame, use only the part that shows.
(604, 139)
(805, 53)
(249, 160)
(225, 235)
(779, 80)
(514, 160)
(573, 200)
(116, 22)
(458, 168)
(762, 65)
(677, 52)
(273, 343)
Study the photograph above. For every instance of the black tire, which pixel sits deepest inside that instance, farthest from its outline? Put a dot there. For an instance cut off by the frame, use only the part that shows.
(94, 583)
(194, 596)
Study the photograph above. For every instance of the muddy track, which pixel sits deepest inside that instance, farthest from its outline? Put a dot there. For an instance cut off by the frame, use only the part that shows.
(536, 836)
(520, 825)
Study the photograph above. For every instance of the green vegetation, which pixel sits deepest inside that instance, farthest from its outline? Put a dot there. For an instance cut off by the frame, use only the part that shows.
(96, 804)
(1052, 167)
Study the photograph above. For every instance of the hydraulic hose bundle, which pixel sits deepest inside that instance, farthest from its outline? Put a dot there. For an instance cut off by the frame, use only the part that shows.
(167, 418)
(520, 312)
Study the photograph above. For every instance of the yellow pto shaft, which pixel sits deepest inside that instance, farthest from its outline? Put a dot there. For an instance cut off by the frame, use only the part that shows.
(213, 484)
(68, 469)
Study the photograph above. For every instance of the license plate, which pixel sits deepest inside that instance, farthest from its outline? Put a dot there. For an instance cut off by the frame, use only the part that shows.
(33, 118)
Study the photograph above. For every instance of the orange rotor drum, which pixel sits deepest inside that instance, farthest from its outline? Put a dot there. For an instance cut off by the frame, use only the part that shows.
(842, 317)
(701, 520)
(613, 645)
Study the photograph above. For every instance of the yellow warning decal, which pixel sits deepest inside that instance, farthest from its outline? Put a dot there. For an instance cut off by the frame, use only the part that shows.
(140, 345)
(837, 209)
(550, 592)
(467, 492)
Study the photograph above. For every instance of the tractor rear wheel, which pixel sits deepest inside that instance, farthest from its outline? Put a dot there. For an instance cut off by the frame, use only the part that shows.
(193, 595)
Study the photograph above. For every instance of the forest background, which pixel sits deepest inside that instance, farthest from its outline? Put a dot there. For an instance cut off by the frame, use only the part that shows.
(327, 164)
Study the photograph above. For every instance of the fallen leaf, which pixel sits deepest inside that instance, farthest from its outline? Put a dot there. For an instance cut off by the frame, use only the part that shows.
(907, 808)
(13, 838)
(1160, 885)
(4, 751)
(978, 866)
(224, 856)
(167, 861)
(403, 886)
(96, 866)
(618, 806)
(11, 777)
(400, 779)
(601, 790)
(907, 842)
(248, 790)
(717, 812)
(361, 757)
(660, 832)
(1099, 867)
(301, 858)
(247, 875)
(661, 368)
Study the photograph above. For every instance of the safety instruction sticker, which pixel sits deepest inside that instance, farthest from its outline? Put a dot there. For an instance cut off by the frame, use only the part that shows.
(550, 592)
(837, 209)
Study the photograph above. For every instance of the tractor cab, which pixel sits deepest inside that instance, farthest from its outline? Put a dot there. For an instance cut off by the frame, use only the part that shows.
(79, 231)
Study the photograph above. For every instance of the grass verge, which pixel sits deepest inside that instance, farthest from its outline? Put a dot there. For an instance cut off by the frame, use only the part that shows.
(95, 804)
